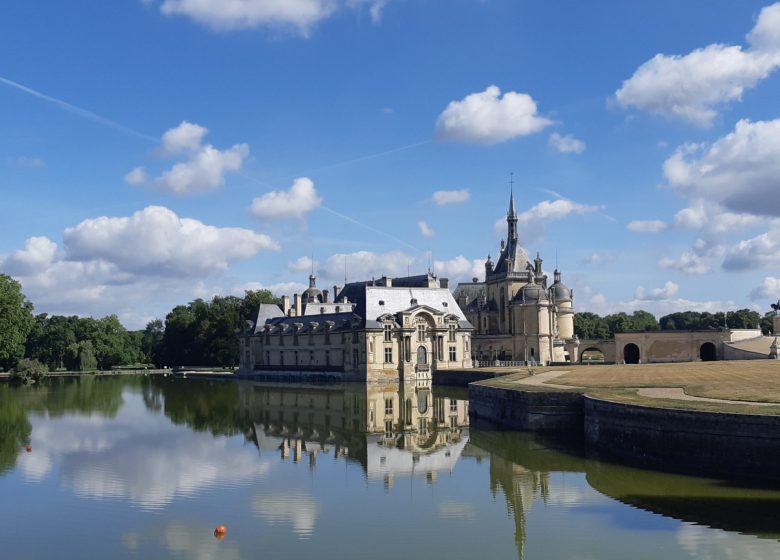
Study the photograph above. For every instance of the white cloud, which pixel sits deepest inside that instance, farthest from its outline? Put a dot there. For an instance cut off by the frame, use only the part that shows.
(297, 509)
(532, 222)
(757, 252)
(600, 304)
(425, 229)
(37, 255)
(714, 220)
(668, 291)
(364, 265)
(136, 267)
(299, 16)
(187, 137)
(598, 258)
(740, 171)
(204, 171)
(489, 118)
(647, 226)
(103, 458)
(301, 264)
(296, 202)
(157, 241)
(136, 176)
(566, 144)
(204, 167)
(460, 269)
(441, 198)
(693, 86)
(768, 289)
(689, 263)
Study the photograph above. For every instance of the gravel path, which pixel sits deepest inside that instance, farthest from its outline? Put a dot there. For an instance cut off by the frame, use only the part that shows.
(678, 394)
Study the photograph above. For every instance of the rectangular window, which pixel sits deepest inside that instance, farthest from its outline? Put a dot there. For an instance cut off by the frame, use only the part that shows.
(452, 333)
(388, 406)
(388, 333)
(420, 333)
(453, 405)
(453, 354)
(281, 337)
(327, 335)
(327, 357)
(388, 355)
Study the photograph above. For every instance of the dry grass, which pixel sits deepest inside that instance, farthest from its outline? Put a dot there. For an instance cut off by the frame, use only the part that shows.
(630, 396)
(757, 381)
(738, 380)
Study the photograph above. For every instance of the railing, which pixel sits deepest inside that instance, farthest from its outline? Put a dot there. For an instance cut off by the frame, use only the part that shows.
(502, 363)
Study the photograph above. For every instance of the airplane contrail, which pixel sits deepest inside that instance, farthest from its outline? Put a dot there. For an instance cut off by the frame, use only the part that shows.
(78, 111)
(370, 228)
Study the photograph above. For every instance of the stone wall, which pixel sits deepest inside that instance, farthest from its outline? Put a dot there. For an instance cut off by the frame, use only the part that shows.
(526, 410)
(720, 444)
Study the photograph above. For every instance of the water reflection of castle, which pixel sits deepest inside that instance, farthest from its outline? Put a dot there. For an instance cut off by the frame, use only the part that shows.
(391, 430)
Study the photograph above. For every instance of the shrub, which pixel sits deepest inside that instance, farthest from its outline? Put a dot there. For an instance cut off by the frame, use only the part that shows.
(28, 372)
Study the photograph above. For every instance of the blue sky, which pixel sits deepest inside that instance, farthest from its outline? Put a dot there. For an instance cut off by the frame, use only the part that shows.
(154, 151)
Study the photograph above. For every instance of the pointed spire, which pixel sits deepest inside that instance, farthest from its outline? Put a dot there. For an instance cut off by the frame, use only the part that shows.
(512, 194)
(511, 216)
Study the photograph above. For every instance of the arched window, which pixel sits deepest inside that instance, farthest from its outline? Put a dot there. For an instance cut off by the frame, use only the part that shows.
(422, 355)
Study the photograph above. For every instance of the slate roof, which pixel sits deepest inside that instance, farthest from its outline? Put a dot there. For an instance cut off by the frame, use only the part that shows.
(265, 312)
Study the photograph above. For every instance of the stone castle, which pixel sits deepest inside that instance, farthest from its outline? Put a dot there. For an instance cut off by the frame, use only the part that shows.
(517, 316)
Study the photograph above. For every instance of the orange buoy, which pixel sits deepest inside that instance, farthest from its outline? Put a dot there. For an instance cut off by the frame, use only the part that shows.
(220, 532)
(28, 448)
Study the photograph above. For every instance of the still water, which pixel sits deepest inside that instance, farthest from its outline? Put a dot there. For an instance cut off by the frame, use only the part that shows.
(147, 467)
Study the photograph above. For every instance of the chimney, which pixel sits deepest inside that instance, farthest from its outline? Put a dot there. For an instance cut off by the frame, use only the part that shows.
(444, 282)
(286, 305)
(336, 291)
(325, 296)
(388, 282)
(296, 305)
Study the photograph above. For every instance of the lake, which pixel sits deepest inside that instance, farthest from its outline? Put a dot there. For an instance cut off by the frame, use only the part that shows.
(147, 467)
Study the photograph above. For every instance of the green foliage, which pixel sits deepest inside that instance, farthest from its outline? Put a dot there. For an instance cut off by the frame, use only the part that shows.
(212, 406)
(199, 333)
(694, 320)
(15, 428)
(28, 371)
(767, 323)
(591, 326)
(16, 320)
(204, 333)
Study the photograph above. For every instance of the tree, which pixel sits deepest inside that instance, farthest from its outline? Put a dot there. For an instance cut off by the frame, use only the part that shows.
(590, 326)
(253, 299)
(644, 321)
(16, 320)
(152, 341)
(28, 371)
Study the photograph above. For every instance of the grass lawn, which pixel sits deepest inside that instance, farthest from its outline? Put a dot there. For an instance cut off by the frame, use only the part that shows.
(744, 380)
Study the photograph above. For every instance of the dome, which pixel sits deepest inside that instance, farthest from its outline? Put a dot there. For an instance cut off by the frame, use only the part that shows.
(531, 293)
(559, 291)
(313, 293)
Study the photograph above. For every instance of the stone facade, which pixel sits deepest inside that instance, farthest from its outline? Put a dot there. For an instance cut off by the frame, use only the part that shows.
(517, 316)
(383, 330)
(681, 346)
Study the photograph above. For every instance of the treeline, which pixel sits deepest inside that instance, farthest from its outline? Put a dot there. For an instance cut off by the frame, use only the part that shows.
(201, 333)
(592, 326)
